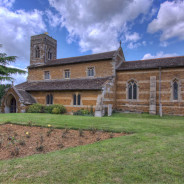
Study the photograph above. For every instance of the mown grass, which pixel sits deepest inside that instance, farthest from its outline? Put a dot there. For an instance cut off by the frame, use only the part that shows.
(154, 153)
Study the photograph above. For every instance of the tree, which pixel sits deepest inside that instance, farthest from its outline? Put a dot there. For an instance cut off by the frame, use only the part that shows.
(6, 71)
(3, 88)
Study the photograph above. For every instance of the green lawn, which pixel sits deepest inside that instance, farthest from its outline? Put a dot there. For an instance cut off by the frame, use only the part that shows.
(154, 153)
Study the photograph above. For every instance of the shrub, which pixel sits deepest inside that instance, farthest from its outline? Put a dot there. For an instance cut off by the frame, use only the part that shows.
(56, 110)
(83, 112)
(35, 108)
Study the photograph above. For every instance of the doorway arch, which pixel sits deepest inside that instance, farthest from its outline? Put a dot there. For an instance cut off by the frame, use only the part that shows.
(11, 104)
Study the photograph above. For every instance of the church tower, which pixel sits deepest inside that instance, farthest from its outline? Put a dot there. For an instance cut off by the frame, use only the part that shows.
(43, 49)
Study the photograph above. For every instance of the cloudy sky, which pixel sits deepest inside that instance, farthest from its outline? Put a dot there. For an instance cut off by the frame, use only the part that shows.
(147, 28)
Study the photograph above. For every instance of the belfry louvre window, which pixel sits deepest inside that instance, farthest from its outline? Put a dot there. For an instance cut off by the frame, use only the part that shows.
(49, 54)
(175, 90)
(49, 99)
(91, 72)
(67, 74)
(132, 90)
(47, 75)
(37, 52)
(76, 99)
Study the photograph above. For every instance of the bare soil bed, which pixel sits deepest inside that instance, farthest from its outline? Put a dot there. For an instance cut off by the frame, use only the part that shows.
(19, 141)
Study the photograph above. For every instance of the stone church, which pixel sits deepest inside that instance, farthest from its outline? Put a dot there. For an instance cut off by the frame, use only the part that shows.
(102, 81)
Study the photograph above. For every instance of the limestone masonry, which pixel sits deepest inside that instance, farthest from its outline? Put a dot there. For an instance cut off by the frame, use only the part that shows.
(103, 81)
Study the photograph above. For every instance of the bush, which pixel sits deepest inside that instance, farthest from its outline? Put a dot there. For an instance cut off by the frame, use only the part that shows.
(56, 110)
(35, 108)
(83, 112)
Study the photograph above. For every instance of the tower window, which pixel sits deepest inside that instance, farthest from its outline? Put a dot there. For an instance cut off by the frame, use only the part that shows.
(47, 75)
(49, 99)
(132, 90)
(67, 74)
(175, 90)
(37, 52)
(49, 54)
(91, 72)
(76, 99)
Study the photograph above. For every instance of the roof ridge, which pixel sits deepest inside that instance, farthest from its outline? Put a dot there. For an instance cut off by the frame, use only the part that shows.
(156, 58)
(83, 55)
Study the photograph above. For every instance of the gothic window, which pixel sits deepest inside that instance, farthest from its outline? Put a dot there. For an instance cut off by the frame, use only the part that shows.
(91, 72)
(175, 90)
(132, 90)
(47, 75)
(37, 52)
(49, 99)
(67, 74)
(76, 99)
(49, 54)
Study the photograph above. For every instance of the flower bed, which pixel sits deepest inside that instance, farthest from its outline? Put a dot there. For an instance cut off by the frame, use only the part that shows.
(19, 141)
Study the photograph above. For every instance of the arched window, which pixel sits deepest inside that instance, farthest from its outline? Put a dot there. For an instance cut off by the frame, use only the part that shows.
(37, 52)
(76, 99)
(132, 90)
(49, 54)
(175, 89)
(49, 99)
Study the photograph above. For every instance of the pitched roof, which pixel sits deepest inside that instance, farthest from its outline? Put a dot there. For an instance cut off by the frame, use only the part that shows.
(170, 62)
(64, 85)
(79, 59)
(27, 98)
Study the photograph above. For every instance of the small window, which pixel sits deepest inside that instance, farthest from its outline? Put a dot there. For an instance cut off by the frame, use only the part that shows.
(132, 90)
(49, 54)
(76, 99)
(67, 74)
(91, 72)
(79, 100)
(49, 99)
(175, 90)
(37, 52)
(47, 75)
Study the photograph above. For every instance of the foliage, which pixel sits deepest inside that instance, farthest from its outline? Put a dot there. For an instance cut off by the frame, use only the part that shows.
(83, 112)
(6, 71)
(3, 87)
(35, 108)
(54, 109)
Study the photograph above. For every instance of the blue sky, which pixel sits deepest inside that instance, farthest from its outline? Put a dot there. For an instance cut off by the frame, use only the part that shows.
(147, 28)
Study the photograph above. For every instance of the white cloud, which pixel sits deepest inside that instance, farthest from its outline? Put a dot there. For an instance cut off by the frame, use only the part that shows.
(16, 30)
(7, 3)
(170, 20)
(53, 19)
(98, 24)
(158, 55)
(134, 37)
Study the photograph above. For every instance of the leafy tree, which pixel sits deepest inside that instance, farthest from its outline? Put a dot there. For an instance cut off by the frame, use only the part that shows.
(6, 71)
(3, 87)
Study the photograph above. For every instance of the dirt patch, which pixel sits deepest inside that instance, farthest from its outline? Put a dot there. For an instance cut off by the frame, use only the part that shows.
(19, 141)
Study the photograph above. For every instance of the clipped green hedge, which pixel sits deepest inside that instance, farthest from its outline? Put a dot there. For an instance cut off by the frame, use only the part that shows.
(53, 109)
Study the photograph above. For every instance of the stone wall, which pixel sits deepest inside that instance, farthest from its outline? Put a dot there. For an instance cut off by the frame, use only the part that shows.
(102, 69)
(44, 42)
(143, 78)
(88, 99)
